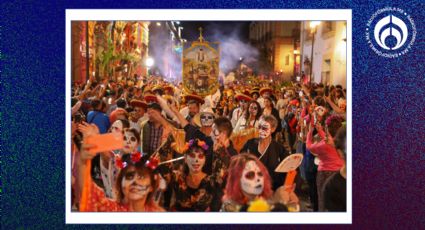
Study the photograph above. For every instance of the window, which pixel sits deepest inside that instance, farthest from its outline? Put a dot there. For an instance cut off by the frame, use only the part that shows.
(328, 26)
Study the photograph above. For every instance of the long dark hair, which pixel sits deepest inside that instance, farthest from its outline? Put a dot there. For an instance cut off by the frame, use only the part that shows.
(271, 102)
(194, 147)
(259, 112)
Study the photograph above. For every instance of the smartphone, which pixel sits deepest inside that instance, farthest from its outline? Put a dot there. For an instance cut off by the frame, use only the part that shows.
(315, 118)
(106, 142)
(327, 91)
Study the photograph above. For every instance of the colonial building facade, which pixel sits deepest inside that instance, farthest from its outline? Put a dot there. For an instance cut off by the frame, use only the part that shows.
(329, 52)
(278, 43)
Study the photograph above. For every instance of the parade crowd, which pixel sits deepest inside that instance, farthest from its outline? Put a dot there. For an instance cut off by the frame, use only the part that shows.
(183, 152)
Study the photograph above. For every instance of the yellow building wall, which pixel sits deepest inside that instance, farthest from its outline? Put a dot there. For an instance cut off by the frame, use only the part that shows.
(284, 58)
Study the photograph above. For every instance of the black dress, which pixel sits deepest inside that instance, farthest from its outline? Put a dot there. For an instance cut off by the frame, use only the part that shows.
(274, 154)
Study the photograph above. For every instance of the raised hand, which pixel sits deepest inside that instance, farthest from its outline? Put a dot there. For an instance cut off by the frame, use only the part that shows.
(88, 129)
(86, 153)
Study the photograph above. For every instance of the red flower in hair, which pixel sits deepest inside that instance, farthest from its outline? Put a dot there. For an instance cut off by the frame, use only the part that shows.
(152, 163)
(119, 163)
(135, 157)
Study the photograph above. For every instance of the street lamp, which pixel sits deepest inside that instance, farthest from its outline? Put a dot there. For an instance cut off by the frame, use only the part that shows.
(313, 27)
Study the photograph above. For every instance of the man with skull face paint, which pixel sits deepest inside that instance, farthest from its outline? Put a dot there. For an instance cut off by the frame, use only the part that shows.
(205, 120)
(270, 152)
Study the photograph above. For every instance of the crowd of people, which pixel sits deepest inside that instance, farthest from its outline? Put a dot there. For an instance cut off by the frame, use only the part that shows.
(183, 152)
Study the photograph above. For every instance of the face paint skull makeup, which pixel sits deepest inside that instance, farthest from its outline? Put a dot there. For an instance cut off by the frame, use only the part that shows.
(195, 160)
(130, 142)
(135, 186)
(117, 127)
(253, 109)
(265, 129)
(207, 119)
(252, 180)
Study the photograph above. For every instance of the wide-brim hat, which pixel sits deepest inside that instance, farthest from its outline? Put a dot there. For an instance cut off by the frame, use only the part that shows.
(243, 97)
(138, 103)
(168, 97)
(157, 88)
(252, 92)
(194, 97)
(246, 92)
(266, 89)
(169, 87)
(197, 117)
(117, 112)
(150, 98)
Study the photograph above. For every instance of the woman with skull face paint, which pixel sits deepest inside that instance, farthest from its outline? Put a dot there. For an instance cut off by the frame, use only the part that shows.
(217, 156)
(135, 186)
(193, 188)
(108, 168)
(249, 180)
(270, 152)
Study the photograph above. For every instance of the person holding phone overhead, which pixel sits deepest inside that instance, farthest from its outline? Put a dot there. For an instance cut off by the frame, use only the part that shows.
(135, 185)
(324, 149)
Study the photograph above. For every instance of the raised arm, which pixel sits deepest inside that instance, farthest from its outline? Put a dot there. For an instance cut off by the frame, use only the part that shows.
(334, 107)
(182, 121)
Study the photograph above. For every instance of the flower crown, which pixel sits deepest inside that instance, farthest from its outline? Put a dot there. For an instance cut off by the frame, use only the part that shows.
(195, 142)
(136, 157)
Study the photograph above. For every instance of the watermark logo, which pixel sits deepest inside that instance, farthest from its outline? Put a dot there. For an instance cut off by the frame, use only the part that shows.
(390, 32)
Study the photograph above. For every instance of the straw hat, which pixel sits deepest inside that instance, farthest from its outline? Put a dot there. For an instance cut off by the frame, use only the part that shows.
(197, 117)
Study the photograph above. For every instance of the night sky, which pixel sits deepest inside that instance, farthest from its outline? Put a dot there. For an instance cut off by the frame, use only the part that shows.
(191, 29)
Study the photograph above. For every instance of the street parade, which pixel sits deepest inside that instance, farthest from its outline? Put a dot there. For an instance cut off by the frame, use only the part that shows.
(201, 119)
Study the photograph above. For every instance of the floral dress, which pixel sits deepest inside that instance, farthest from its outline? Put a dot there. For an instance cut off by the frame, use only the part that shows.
(98, 202)
(208, 195)
(192, 199)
